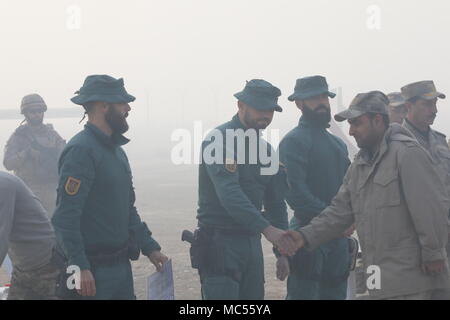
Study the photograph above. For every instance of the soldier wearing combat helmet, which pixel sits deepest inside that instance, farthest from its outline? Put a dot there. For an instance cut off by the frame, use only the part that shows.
(32, 151)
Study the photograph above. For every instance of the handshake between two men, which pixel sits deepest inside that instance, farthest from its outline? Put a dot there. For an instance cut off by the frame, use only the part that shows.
(286, 241)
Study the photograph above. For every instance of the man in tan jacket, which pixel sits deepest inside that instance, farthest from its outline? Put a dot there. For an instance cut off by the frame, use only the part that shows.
(397, 201)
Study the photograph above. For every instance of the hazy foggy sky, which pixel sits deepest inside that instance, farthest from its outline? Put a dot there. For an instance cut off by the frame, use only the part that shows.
(190, 56)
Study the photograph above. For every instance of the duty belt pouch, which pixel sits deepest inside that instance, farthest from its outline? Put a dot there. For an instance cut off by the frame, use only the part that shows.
(222, 261)
(200, 249)
(305, 264)
(215, 257)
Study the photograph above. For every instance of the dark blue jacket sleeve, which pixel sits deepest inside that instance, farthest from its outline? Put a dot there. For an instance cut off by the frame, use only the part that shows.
(274, 206)
(143, 235)
(233, 198)
(77, 173)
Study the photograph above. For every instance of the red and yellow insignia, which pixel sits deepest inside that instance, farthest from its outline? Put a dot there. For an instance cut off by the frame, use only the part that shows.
(230, 165)
(72, 186)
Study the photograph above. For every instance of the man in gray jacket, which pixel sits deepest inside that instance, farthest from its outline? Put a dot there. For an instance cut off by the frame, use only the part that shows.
(421, 100)
(393, 194)
(27, 236)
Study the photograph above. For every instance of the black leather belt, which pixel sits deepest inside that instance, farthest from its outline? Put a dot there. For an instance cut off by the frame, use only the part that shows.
(229, 231)
(109, 258)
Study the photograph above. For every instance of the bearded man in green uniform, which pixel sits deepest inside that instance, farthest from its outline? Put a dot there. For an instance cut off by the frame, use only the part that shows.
(232, 194)
(316, 162)
(96, 223)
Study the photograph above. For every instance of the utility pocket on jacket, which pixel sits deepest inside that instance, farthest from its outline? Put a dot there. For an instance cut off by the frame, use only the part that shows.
(386, 190)
(445, 156)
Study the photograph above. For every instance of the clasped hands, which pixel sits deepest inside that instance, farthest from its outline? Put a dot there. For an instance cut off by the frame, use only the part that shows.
(286, 241)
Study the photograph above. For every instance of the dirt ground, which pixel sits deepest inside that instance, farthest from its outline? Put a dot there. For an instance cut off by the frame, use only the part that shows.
(186, 279)
(166, 201)
(167, 219)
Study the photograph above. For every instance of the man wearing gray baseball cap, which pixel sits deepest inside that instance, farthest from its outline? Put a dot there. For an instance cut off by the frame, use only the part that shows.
(394, 196)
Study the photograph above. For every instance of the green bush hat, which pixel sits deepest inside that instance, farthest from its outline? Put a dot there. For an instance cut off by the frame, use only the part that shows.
(102, 88)
(260, 94)
(421, 89)
(309, 87)
(369, 102)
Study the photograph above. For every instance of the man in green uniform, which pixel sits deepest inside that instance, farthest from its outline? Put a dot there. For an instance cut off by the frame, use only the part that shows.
(316, 162)
(232, 194)
(96, 223)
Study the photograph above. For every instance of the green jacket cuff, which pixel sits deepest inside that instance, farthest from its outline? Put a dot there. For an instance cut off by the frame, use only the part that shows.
(259, 225)
(81, 261)
(150, 246)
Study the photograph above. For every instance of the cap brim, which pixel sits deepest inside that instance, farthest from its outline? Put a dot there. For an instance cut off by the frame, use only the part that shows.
(241, 96)
(83, 99)
(348, 114)
(433, 95)
(396, 104)
(298, 96)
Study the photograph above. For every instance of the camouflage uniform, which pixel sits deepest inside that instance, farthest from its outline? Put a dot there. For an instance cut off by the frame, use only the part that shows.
(32, 153)
(28, 238)
(38, 284)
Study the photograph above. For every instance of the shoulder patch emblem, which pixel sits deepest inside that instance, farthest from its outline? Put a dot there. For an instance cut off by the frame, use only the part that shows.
(72, 186)
(230, 165)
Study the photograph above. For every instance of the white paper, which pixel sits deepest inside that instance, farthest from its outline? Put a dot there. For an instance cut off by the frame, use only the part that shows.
(7, 265)
(4, 293)
(160, 284)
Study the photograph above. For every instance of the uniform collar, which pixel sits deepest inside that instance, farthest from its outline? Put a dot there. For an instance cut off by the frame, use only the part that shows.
(237, 122)
(411, 127)
(364, 158)
(41, 127)
(114, 141)
(395, 132)
(306, 123)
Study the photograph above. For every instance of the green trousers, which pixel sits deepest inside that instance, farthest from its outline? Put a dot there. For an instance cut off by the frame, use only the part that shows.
(320, 274)
(113, 282)
(235, 270)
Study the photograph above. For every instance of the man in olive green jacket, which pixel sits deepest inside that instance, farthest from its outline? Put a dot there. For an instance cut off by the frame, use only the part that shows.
(394, 195)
